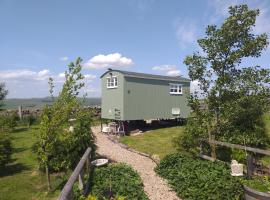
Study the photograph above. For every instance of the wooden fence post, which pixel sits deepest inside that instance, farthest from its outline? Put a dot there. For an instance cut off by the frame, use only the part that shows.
(81, 181)
(250, 166)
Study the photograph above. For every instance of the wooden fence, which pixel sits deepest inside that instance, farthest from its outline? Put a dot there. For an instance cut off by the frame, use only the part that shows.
(250, 157)
(82, 168)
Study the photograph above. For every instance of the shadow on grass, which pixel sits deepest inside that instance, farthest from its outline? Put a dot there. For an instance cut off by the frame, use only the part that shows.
(12, 169)
(18, 130)
(19, 150)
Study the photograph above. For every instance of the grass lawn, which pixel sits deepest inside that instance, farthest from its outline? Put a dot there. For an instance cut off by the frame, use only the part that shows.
(21, 179)
(267, 122)
(157, 141)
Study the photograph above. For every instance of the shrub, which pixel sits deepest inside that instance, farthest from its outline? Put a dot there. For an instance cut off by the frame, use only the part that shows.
(193, 178)
(30, 120)
(8, 122)
(117, 181)
(5, 149)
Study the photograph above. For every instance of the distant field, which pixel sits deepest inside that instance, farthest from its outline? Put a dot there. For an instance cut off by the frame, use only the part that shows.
(40, 102)
(157, 141)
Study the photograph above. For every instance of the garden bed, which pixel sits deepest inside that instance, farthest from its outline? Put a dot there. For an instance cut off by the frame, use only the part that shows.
(116, 181)
(194, 178)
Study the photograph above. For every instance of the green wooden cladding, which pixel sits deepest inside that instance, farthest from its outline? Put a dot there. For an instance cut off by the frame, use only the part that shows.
(142, 96)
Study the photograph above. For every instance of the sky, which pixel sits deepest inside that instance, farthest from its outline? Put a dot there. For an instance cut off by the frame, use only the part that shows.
(38, 38)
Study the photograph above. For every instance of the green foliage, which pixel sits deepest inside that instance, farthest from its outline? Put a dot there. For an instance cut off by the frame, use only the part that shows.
(8, 122)
(193, 178)
(261, 184)
(239, 155)
(91, 197)
(30, 120)
(59, 145)
(5, 148)
(3, 92)
(117, 181)
(234, 97)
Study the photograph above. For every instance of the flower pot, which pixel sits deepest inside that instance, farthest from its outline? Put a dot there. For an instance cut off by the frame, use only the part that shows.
(251, 194)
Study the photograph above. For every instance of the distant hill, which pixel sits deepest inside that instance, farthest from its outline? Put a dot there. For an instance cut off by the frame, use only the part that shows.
(40, 102)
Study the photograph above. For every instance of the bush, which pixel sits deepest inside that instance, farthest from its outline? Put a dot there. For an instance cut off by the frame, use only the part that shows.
(8, 122)
(193, 178)
(5, 149)
(117, 180)
(30, 120)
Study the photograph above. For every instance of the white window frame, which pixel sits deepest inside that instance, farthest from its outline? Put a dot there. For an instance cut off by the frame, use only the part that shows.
(176, 88)
(112, 82)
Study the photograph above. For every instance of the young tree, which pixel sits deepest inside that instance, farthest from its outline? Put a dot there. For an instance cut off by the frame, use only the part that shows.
(3, 92)
(235, 95)
(5, 142)
(59, 148)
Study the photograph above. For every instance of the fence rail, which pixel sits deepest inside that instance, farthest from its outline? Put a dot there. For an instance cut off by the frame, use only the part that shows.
(77, 175)
(237, 146)
(250, 158)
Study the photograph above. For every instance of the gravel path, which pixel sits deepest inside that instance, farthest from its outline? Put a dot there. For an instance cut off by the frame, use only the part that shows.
(155, 187)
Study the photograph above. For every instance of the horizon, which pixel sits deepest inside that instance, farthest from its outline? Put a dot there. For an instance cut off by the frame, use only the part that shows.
(40, 38)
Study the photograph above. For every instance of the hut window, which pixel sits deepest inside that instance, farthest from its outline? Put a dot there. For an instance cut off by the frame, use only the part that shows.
(175, 88)
(112, 82)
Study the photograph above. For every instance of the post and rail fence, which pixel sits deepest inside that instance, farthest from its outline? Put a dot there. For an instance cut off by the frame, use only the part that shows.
(82, 168)
(250, 157)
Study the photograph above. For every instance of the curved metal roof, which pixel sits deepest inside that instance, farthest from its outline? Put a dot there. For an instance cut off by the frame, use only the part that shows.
(148, 76)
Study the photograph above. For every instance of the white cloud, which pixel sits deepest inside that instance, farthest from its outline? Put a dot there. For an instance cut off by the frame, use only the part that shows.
(64, 58)
(111, 60)
(61, 75)
(42, 75)
(29, 83)
(186, 32)
(170, 70)
(23, 74)
(174, 72)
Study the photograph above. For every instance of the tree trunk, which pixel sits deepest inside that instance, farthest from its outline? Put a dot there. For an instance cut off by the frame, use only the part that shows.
(48, 178)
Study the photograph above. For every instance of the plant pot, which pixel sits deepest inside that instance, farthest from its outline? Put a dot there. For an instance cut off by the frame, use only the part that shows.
(251, 194)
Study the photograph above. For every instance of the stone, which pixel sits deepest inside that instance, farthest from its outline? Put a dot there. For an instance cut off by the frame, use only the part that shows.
(236, 168)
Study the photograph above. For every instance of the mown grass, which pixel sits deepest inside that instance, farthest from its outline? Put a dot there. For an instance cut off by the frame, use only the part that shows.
(157, 141)
(266, 118)
(21, 179)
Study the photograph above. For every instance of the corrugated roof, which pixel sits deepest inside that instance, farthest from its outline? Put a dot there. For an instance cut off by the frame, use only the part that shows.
(149, 76)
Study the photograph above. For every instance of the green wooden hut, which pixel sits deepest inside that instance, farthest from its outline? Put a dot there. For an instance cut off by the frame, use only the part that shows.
(130, 96)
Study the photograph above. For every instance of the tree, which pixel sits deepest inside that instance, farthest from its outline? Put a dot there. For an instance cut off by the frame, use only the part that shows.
(235, 95)
(3, 92)
(58, 148)
(5, 123)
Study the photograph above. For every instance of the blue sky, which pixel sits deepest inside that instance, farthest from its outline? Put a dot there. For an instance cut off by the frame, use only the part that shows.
(39, 38)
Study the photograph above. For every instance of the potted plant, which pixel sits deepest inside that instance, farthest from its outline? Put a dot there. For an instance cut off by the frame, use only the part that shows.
(257, 188)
